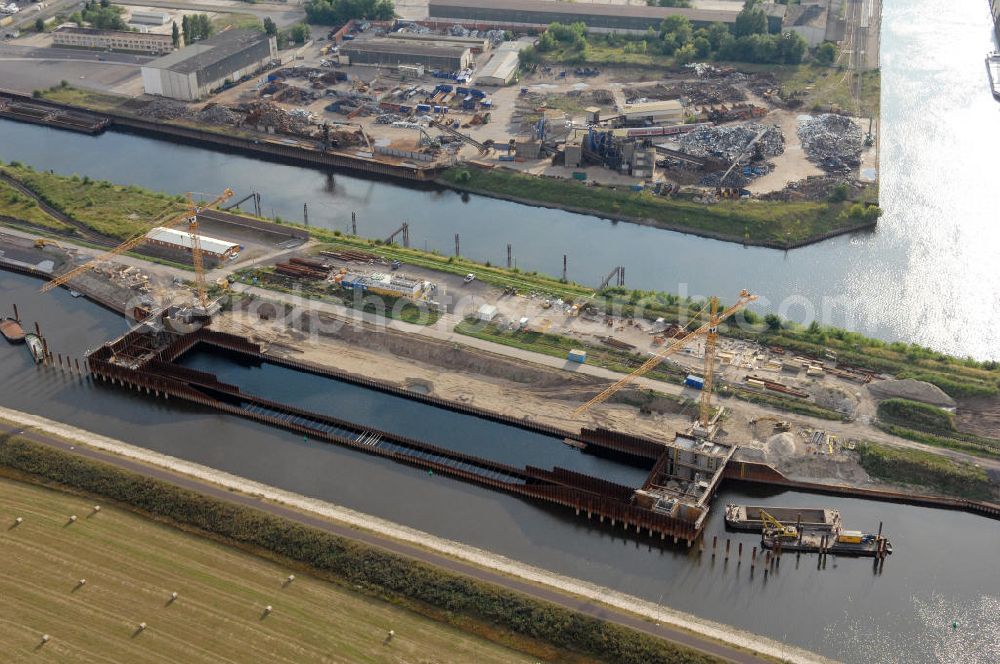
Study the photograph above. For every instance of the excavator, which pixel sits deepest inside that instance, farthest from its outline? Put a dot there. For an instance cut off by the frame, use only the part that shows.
(774, 528)
(779, 425)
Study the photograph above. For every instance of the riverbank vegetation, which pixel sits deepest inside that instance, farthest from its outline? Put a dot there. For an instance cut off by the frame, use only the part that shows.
(925, 469)
(115, 211)
(132, 565)
(532, 626)
(770, 223)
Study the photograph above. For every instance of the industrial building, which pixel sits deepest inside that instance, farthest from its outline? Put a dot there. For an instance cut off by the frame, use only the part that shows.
(393, 52)
(112, 40)
(809, 21)
(501, 69)
(477, 44)
(143, 17)
(597, 16)
(211, 247)
(670, 111)
(195, 71)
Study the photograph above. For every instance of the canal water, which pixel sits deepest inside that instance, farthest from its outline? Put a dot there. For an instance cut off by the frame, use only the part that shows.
(944, 569)
(405, 417)
(926, 275)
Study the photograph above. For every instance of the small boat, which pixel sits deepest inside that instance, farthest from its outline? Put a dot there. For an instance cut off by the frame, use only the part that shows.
(11, 330)
(75, 293)
(35, 347)
(993, 71)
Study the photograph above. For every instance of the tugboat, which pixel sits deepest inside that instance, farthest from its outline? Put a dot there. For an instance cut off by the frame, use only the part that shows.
(35, 347)
(993, 71)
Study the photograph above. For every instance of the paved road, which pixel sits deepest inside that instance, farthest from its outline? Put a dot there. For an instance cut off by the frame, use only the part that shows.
(539, 592)
(20, 52)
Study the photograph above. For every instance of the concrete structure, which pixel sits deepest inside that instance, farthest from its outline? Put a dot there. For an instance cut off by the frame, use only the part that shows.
(112, 40)
(596, 16)
(808, 20)
(477, 44)
(175, 239)
(393, 52)
(193, 72)
(143, 17)
(654, 112)
(501, 69)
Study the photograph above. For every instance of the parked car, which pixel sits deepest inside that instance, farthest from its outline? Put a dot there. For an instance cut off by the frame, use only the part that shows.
(469, 278)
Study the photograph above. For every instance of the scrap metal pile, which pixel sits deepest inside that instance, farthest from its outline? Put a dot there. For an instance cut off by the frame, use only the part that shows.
(714, 91)
(271, 116)
(833, 142)
(495, 36)
(728, 142)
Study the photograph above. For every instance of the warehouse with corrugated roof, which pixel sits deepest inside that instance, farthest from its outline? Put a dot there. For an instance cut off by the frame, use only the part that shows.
(171, 238)
(393, 52)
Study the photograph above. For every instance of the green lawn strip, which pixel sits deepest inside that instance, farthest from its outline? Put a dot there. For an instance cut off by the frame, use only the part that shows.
(774, 223)
(370, 569)
(960, 442)
(925, 469)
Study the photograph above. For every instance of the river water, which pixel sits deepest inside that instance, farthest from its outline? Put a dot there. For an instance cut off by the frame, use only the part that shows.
(943, 570)
(927, 274)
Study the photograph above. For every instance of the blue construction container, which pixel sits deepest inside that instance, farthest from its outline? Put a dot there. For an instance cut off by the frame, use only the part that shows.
(576, 355)
(461, 91)
(423, 108)
(697, 382)
(477, 93)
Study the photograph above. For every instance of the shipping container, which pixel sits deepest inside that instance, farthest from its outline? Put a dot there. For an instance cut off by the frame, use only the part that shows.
(579, 175)
(576, 355)
(697, 382)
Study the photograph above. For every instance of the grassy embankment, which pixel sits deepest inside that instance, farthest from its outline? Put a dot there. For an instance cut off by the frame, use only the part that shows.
(543, 630)
(769, 223)
(15, 205)
(932, 426)
(925, 469)
(132, 565)
(115, 211)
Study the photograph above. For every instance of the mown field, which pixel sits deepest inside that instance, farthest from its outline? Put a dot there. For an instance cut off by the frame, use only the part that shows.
(132, 565)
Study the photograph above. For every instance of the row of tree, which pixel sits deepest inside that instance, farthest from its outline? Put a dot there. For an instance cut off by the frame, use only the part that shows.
(101, 15)
(338, 12)
(747, 41)
(195, 27)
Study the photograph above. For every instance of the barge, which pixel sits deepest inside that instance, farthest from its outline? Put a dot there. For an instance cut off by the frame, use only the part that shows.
(41, 114)
(749, 517)
(841, 543)
(993, 71)
(11, 330)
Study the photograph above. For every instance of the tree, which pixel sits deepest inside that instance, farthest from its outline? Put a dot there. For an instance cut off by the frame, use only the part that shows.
(105, 4)
(338, 12)
(299, 33)
(679, 26)
(773, 322)
(826, 53)
(792, 48)
(685, 54)
(270, 27)
(751, 20)
(670, 3)
(186, 28)
(717, 32)
(702, 47)
(175, 35)
(39, 25)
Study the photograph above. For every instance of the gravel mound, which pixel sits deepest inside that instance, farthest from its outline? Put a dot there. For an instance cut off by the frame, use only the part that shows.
(914, 390)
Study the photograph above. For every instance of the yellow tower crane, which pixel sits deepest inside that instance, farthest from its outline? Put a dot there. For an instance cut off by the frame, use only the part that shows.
(711, 331)
(190, 216)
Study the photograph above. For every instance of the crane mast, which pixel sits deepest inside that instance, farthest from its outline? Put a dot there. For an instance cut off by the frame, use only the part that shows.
(190, 216)
(710, 330)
